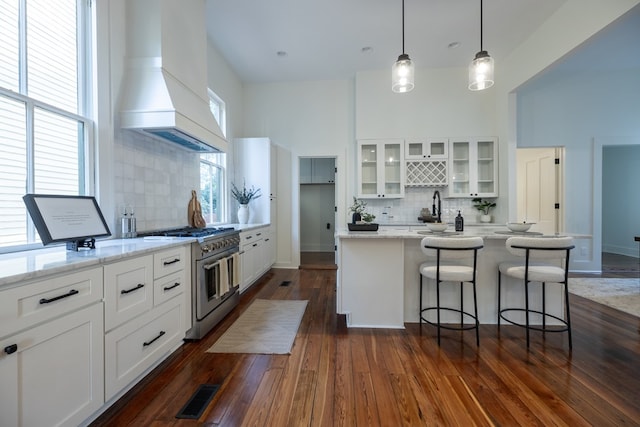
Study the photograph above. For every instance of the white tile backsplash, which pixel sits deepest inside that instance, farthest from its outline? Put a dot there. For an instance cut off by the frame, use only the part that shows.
(155, 178)
(407, 209)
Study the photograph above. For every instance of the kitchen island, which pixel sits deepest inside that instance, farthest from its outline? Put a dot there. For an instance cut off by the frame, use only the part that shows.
(378, 277)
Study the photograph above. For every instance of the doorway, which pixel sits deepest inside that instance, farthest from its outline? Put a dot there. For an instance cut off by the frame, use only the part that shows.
(317, 212)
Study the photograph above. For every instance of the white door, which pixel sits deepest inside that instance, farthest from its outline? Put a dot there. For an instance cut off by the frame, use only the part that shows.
(539, 188)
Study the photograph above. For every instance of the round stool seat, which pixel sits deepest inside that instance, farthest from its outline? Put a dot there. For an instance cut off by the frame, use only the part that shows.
(537, 272)
(448, 273)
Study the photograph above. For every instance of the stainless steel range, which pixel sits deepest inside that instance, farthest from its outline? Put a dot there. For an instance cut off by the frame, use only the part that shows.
(215, 274)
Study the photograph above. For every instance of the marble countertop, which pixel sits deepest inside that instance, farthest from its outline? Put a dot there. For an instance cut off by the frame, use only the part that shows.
(28, 265)
(23, 266)
(486, 231)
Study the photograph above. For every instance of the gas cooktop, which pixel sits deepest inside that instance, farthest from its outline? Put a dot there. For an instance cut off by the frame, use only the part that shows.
(188, 232)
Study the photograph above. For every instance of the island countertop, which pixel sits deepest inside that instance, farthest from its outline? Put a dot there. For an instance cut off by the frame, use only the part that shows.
(486, 231)
(378, 275)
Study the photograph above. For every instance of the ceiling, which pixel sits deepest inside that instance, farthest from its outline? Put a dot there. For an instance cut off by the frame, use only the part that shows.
(324, 40)
(334, 39)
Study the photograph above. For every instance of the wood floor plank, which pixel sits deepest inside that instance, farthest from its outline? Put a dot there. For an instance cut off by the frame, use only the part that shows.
(337, 376)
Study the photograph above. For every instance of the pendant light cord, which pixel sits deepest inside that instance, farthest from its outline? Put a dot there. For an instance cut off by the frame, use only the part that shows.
(403, 27)
(480, 24)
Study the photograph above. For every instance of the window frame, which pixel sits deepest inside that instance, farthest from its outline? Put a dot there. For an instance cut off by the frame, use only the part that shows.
(85, 51)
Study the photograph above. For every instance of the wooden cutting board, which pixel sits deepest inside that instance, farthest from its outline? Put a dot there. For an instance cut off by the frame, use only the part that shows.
(194, 212)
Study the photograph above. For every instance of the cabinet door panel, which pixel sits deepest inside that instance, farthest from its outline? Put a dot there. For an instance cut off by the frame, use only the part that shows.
(55, 377)
(380, 169)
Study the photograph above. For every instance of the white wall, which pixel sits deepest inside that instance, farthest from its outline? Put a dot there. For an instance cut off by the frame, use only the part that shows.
(583, 113)
(310, 119)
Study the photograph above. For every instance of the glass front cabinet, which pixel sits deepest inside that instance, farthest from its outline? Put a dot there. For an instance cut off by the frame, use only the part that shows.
(473, 167)
(426, 148)
(380, 168)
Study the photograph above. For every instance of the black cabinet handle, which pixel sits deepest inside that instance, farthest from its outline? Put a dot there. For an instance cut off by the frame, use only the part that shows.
(175, 285)
(10, 349)
(147, 343)
(126, 291)
(68, 294)
(171, 262)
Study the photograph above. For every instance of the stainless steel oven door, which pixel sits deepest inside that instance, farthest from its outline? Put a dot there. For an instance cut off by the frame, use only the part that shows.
(216, 279)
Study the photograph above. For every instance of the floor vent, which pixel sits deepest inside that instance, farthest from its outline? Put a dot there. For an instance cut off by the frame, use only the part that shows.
(198, 402)
(285, 283)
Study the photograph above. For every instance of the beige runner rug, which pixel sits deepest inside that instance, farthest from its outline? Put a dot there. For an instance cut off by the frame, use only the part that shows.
(266, 327)
(621, 294)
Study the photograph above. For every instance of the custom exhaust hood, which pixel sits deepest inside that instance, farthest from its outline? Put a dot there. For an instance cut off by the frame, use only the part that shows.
(165, 82)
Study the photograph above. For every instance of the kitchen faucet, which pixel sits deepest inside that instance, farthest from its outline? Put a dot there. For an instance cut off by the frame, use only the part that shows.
(438, 213)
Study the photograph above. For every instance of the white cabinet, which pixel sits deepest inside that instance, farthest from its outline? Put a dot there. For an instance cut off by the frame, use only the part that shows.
(320, 170)
(51, 365)
(269, 250)
(145, 314)
(426, 148)
(252, 163)
(473, 167)
(380, 167)
(257, 255)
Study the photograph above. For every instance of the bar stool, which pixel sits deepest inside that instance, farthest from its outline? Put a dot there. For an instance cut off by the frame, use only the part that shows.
(537, 253)
(450, 254)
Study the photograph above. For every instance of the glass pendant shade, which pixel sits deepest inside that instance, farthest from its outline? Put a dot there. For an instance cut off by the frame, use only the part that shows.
(402, 74)
(481, 71)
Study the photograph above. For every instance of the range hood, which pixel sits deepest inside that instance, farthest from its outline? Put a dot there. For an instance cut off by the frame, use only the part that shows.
(165, 82)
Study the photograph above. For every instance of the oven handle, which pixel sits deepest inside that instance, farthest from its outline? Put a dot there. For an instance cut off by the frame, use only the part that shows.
(212, 265)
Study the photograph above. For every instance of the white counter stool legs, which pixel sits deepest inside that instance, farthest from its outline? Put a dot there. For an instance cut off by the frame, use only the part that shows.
(538, 252)
(455, 261)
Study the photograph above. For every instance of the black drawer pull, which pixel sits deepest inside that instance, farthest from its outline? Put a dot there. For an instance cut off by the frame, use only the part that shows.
(10, 349)
(146, 343)
(68, 294)
(126, 291)
(171, 262)
(175, 285)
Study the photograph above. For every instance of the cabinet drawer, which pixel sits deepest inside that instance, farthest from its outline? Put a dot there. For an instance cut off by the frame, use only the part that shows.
(33, 303)
(169, 261)
(135, 346)
(128, 290)
(168, 287)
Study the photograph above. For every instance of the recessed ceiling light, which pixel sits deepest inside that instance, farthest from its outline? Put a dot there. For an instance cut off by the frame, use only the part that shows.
(366, 49)
(453, 45)
(281, 53)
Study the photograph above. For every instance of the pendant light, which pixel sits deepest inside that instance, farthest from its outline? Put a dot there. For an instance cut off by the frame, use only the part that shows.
(481, 68)
(402, 70)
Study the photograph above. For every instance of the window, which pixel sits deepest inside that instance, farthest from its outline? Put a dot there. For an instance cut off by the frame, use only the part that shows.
(212, 171)
(45, 134)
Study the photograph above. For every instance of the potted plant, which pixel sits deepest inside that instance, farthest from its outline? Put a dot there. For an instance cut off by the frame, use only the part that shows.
(485, 207)
(359, 214)
(243, 197)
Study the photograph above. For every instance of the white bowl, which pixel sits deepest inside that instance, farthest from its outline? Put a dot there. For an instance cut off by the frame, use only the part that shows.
(437, 226)
(519, 227)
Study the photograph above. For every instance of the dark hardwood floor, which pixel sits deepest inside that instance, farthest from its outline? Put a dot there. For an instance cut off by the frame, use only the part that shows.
(337, 376)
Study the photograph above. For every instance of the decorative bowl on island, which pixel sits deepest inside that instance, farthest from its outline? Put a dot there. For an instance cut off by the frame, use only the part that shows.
(519, 227)
(437, 226)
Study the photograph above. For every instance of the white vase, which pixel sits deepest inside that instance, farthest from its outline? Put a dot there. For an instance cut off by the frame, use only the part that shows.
(485, 218)
(243, 214)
